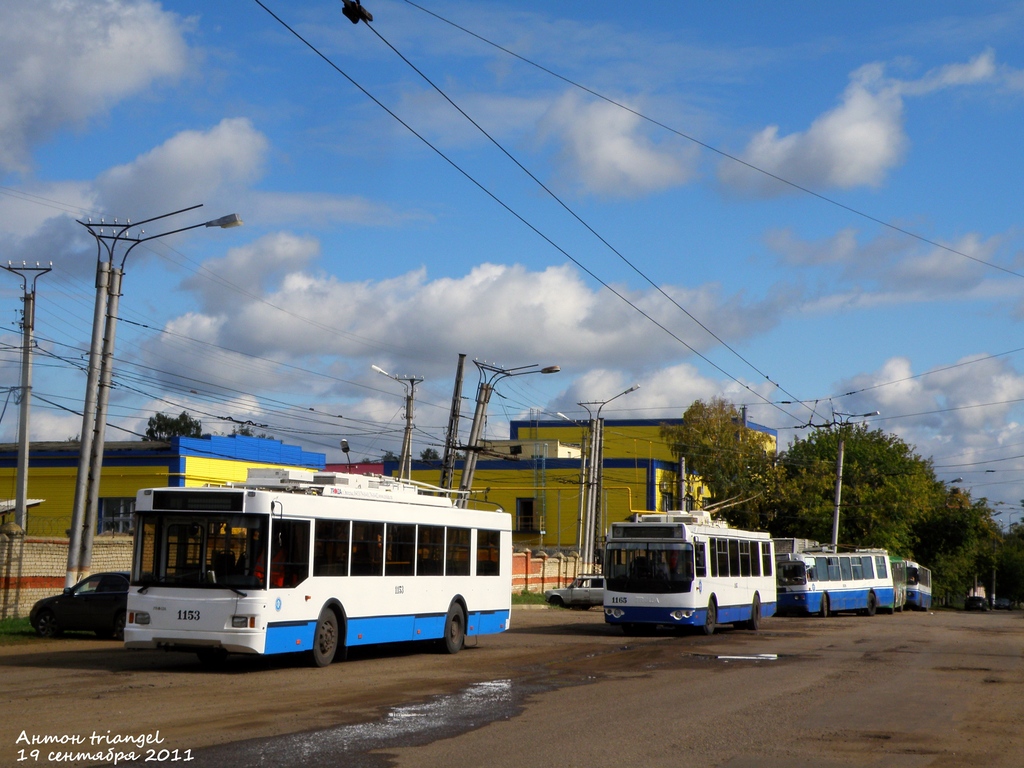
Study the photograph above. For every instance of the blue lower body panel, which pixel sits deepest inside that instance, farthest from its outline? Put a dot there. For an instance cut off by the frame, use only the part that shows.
(290, 637)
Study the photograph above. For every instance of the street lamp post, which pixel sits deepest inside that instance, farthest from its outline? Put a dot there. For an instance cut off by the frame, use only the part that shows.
(595, 479)
(85, 513)
(410, 382)
(489, 376)
(841, 420)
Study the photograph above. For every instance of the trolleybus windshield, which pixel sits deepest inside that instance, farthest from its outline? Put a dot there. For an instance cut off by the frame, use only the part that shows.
(656, 567)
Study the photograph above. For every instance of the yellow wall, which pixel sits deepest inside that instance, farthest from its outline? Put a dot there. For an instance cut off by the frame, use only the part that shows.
(56, 486)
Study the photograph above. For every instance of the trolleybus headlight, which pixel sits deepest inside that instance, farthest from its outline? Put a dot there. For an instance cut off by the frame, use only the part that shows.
(138, 617)
(243, 622)
(680, 614)
(614, 612)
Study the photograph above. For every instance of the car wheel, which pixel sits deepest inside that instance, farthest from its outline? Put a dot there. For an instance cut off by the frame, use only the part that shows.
(46, 624)
(119, 622)
(557, 601)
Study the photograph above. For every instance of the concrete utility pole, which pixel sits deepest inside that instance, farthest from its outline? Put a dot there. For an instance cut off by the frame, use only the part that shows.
(595, 480)
(451, 438)
(28, 321)
(489, 376)
(841, 421)
(410, 382)
(109, 275)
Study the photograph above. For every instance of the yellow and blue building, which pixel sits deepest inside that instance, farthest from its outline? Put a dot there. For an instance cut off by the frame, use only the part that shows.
(536, 476)
(131, 466)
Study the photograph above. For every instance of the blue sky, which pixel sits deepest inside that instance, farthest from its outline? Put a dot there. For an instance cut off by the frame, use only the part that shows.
(784, 202)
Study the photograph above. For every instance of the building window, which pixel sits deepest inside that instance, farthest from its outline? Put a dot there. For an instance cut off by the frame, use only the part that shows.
(116, 515)
(526, 521)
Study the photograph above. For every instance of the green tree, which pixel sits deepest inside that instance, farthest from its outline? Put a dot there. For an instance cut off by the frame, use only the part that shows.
(1010, 566)
(887, 489)
(736, 464)
(430, 454)
(246, 430)
(957, 539)
(164, 427)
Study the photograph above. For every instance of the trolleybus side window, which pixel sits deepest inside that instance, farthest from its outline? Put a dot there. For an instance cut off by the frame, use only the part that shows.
(833, 569)
(880, 563)
(289, 553)
(700, 564)
(367, 549)
(847, 571)
(430, 551)
(399, 550)
(745, 558)
(766, 557)
(857, 568)
(330, 548)
(458, 552)
(488, 547)
(869, 572)
(734, 558)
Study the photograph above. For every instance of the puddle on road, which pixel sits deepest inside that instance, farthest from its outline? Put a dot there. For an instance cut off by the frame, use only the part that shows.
(411, 725)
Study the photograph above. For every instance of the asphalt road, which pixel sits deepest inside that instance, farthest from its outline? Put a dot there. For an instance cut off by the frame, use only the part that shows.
(561, 688)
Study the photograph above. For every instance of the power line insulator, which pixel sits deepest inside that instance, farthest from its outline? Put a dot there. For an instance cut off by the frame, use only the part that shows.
(355, 12)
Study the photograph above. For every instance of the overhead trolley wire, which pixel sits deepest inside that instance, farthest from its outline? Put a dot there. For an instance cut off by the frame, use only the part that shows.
(513, 212)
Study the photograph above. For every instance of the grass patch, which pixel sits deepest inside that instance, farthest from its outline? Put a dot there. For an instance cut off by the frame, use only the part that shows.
(15, 631)
(528, 598)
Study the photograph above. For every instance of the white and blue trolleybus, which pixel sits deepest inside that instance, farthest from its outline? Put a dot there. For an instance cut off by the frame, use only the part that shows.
(683, 569)
(822, 582)
(919, 586)
(292, 562)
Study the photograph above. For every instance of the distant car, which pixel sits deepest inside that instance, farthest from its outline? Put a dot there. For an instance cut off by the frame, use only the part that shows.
(584, 592)
(975, 603)
(97, 603)
(1002, 604)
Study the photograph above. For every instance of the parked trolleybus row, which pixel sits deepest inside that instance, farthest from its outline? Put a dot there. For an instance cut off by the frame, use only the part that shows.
(297, 562)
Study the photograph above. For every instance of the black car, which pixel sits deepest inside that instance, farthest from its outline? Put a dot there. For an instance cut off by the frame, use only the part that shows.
(97, 603)
(975, 603)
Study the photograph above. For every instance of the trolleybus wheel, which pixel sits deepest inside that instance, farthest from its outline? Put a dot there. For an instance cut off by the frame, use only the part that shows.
(823, 611)
(755, 614)
(872, 605)
(325, 640)
(710, 618)
(454, 629)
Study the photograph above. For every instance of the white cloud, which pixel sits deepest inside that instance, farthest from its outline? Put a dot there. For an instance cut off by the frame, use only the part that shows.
(854, 144)
(65, 61)
(604, 150)
(502, 313)
(189, 168)
(966, 410)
